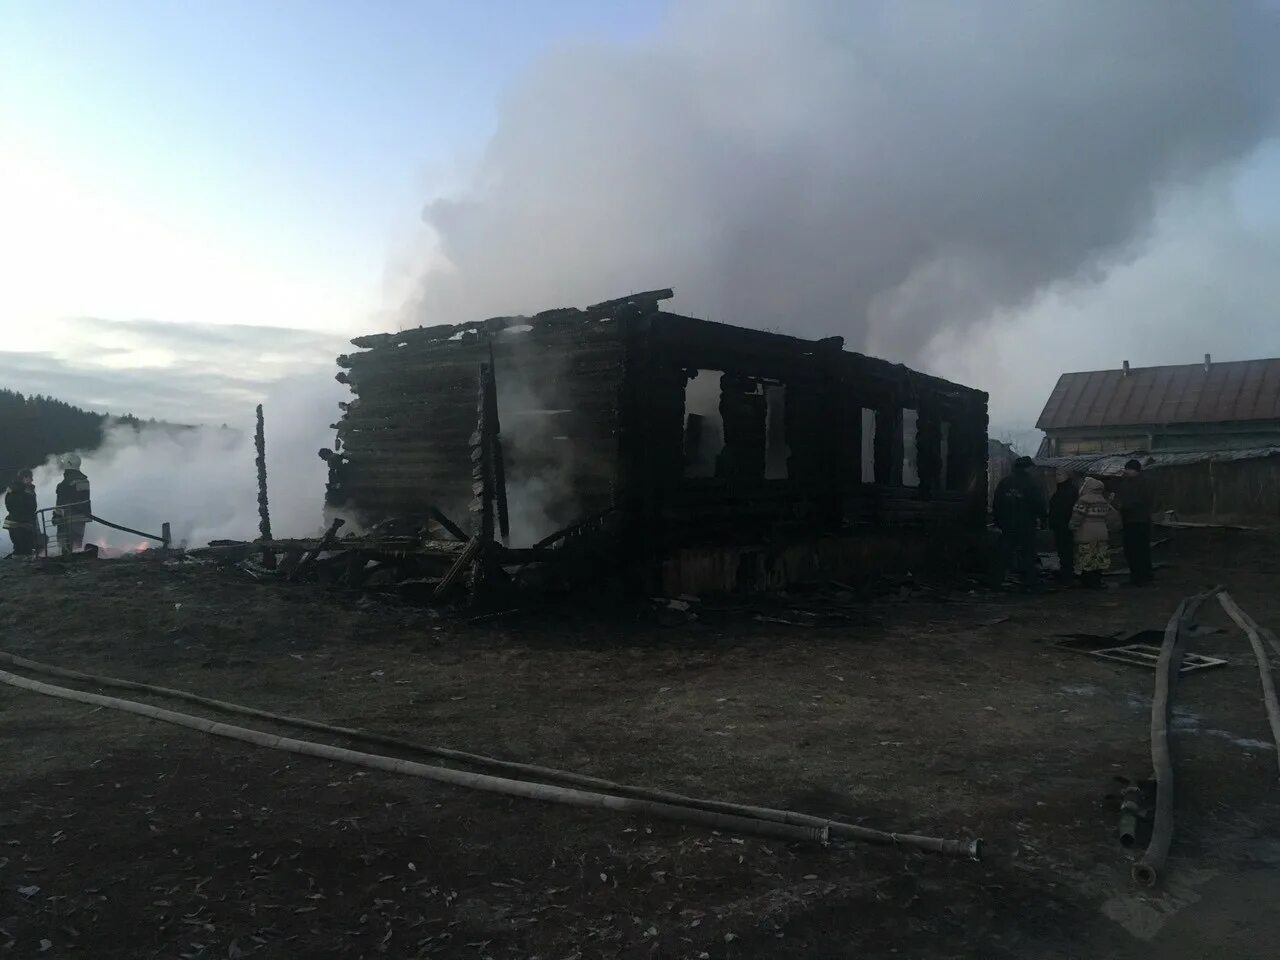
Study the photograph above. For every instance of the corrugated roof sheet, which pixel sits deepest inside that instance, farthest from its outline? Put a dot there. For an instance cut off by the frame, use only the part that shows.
(1112, 464)
(1236, 391)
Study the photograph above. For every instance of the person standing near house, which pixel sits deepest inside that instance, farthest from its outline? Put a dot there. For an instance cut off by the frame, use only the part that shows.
(20, 514)
(1090, 524)
(1134, 500)
(1018, 506)
(73, 507)
(1061, 504)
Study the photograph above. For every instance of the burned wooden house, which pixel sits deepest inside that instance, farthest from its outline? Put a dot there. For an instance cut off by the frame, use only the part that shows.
(708, 457)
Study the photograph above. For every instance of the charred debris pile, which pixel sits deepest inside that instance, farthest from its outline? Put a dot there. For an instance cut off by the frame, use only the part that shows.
(445, 503)
(671, 454)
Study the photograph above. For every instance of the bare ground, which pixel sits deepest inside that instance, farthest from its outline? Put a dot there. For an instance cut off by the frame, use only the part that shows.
(122, 837)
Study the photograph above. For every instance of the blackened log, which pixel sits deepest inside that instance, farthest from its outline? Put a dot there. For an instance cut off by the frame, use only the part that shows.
(469, 553)
(584, 340)
(646, 299)
(482, 463)
(326, 543)
(264, 514)
(495, 438)
(439, 517)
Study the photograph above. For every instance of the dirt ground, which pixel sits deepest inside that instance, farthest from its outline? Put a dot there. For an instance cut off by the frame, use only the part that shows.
(122, 837)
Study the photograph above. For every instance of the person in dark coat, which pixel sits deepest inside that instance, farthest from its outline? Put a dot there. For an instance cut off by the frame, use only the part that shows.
(1061, 504)
(1018, 506)
(20, 514)
(1134, 501)
(73, 507)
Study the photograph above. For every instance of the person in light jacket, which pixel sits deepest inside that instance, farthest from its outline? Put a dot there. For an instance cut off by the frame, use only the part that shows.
(1091, 520)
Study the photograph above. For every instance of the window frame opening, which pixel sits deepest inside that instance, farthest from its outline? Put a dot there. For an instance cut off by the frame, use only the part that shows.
(910, 446)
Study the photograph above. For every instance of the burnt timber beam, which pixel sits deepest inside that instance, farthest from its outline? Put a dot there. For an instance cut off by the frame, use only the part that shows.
(495, 438)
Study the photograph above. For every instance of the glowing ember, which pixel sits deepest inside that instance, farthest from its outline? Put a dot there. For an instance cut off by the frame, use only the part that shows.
(107, 551)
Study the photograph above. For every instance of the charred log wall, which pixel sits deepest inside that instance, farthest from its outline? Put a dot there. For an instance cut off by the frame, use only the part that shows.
(933, 479)
(404, 440)
(808, 440)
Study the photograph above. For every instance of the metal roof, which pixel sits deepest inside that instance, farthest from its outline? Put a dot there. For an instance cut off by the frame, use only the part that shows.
(1112, 464)
(1235, 391)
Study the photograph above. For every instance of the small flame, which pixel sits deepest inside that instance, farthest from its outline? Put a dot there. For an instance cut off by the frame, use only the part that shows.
(107, 552)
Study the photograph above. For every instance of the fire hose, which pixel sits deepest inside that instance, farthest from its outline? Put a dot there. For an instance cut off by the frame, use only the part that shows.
(1254, 633)
(163, 537)
(1146, 871)
(783, 824)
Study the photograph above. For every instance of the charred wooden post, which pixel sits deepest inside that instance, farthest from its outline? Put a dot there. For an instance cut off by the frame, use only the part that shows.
(264, 514)
(482, 463)
(483, 488)
(499, 464)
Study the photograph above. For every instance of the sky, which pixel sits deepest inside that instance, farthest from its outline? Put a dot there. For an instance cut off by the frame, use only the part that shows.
(201, 202)
(178, 179)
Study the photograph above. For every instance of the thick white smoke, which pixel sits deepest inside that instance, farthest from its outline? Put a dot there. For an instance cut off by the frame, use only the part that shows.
(879, 170)
(203, 480)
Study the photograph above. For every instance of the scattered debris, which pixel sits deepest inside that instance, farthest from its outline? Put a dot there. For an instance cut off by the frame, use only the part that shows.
(1145, 655)
(1189, 525)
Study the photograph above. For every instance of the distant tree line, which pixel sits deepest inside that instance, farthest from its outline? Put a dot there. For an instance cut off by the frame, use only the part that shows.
(32, 428)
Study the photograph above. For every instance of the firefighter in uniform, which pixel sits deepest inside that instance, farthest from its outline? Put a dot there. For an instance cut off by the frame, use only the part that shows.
(73, 509)
(20, 514)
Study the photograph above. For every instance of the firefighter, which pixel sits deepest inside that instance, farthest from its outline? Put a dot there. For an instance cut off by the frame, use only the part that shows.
(73, 507)
(20, 519)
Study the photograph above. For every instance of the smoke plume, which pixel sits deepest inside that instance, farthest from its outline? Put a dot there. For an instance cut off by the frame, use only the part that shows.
(878, 170)
(202, 480)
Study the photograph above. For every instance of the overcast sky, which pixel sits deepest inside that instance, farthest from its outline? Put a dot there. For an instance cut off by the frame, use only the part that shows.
(201, 200)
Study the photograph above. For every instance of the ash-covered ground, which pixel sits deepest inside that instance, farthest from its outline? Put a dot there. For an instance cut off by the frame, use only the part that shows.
(121, 837)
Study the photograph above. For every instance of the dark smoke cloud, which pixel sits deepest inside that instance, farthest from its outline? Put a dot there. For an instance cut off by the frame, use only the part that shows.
(878, 170)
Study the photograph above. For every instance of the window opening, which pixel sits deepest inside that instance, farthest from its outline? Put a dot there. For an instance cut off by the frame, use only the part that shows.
(868, 445)
(910, 453)
(777, 452)
(703, 424)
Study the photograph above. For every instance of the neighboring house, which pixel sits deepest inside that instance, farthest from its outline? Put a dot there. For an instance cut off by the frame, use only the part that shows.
(1207, 434)
(1186, 408)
